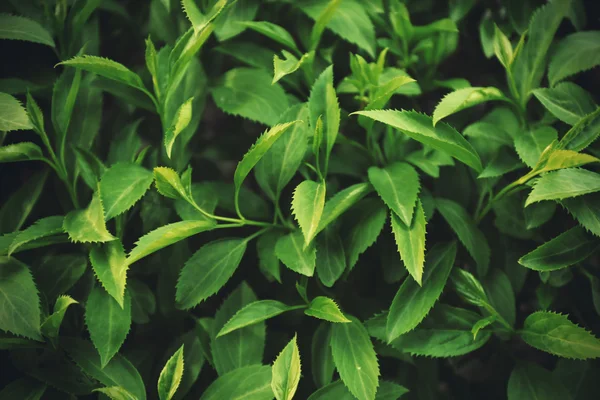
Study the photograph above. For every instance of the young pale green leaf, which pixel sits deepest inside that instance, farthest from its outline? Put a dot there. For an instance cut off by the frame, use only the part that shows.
(566, 101)
(181, 120)
(322, 365)
(170, 376)
(286, 372)
(325, 308)
(462, 99)
(200, 21)
(24, 151)
(331, 260)
(256, 152)
(398, 186)
(13, 116)
(272, 31)
(249, 93)
(51, 325)
(88, 225)
(107, 322)
(292, 252)
(166, 236)
(530, 381)
(420, 127)
(107, 68)
(410, 240)
(575, 53)
(121, 186)
(365, 223)
(42, 228)
(446, 332)
(115, 393)
(555, 334)
(253, 313)
(566, 249)
(355, 359)
(110, 266)
(169, 184)
(586, 209)
(482, 324)
(307, 206)
(242, 347)
(467, 231)
(341, 202)
(248, 383)
(279, 164)
(503, 48)
(563, 184)
(530, 63)
(20, 28)
(347, 19)
(288, 64)
(531, 144)
(560, 159)
(208, 270)
(21, 305)
(412, 301)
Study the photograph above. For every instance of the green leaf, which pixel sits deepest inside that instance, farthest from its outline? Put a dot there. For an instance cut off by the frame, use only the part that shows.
(56, 274)
(253, 313)
(355, 359)
(229, 23)
(115, 393)
(170, 376)
(24, 151)
(24, 388)
(341, 202)
(13, 116)
(583, 133)
(198, 20)
(110, 266)
(267, 259)
(168, 183)
(412, 302)
(575, 53)
(446, 332)
(331, 262)
(17, 207)
(249, 93)
(555, 334)
(469, 288)
(467, 231)
(321, 21)
(410, 240)
(503, 48)
(288, 64)
(208, 270)
(386, 90)
(420, 127)
(462, 99)
(323, 103)
(350, 21)
(335, 390)
(325, 308)
(88, 225)
(530, 381)
(482, 324)
(180, 121)
(107, 68)
(64, 97)
(248, 383)
(121, 186)
(321, 358)
(51, 325)
(398, 186)
(107, 322)
(255, 153)
(202, 196)
(20, 28)
(143, 301)
(530, 63)
(293, 254)
(42, 228)
(586, 209)
(566, 249)
(501, 294)
(566, 101)
(307, 206)
(366, 222)
(90, 167)
(286, 372)
(531, 144)
(560, 159)
(564, 183)
(272, 31)
(280, 163)
(21, 303)
(166, 236)
(242, 347)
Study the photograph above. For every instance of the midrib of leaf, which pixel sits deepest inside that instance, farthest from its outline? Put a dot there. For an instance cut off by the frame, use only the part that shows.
(248, 394)
(561, 252)
(557, 338)
(8, 301)
(110, 314)
(124, 193)
(300, 253)
(389, 178)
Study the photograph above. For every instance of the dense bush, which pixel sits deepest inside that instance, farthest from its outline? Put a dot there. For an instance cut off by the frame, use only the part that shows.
(419, 218)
